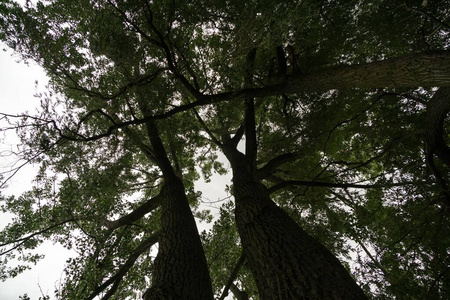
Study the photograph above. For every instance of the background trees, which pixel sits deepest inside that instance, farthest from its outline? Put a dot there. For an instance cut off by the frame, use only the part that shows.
(334, 99)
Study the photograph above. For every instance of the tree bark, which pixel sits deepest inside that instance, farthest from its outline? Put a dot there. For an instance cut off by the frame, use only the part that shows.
(237, 293)
(437, 110)
(426, 69)
(180, 269)
(286, 262)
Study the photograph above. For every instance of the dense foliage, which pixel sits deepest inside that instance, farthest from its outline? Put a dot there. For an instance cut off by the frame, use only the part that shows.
(350, 159)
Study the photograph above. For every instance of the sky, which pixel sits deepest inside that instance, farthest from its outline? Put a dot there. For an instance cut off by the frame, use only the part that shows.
(17, 87)
(18, 83)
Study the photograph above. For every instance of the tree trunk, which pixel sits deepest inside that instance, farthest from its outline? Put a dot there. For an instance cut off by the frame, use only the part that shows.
(437, 110)
(425, 69)
(430, 69)
(286, 262)
(180, 270)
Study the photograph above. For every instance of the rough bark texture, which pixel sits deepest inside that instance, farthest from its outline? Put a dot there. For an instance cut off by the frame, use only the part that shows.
(437, 110)
(425, 69)
(180, 270)
(286, 262)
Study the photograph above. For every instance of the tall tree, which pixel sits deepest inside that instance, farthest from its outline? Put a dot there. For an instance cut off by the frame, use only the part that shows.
(180, 270)
(286, 262)
(258, 235)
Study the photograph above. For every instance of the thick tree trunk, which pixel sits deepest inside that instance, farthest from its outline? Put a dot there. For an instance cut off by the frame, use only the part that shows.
(430, 69)
(180, 270)
(425, 69)
(437, 110)
(286, 262)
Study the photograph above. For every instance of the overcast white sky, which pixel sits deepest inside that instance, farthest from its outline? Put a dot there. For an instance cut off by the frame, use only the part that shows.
(17, 87)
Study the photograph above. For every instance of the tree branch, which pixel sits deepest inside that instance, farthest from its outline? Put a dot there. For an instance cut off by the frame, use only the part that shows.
(437, 110)
(206, 128)
(22, 240)
(238, 135)
(287, 183)
(269, 168)
(144, 79)
(169, 55)
(136, 214)
(240, 295)
(137, 140)
(283, 184)
(232, 276)
(251, 147)
(117, 278)
(430, 16)
(425, 69)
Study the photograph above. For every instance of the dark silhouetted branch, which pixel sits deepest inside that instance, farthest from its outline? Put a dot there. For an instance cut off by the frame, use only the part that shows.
(121, 272)
(232, 276)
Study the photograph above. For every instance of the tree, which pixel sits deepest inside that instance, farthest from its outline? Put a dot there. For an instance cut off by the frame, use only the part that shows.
(253, 214)
(273, 72)
(180, 269)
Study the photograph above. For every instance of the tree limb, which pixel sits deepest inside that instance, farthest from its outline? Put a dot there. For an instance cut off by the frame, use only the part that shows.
(23, 240)
(283, 184)
(269, 168)
(251, 147)
(232, 276)
(206, 128)
(287, 183)
(240, 295)
(430, 16)
(425, 69)
(136, 214)
(437, 110)
(118, 276)
(144, 79)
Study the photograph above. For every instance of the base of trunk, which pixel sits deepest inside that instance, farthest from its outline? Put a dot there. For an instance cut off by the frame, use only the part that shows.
(180, 268)
(286, 262)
